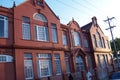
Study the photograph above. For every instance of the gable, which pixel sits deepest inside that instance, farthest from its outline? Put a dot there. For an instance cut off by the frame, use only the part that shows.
(74, 25)
(30, 7)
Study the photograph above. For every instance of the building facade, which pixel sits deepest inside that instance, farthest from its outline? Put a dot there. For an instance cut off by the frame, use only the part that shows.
(34, 45)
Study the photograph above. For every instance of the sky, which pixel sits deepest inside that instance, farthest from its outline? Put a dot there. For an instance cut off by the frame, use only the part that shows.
(82, 11)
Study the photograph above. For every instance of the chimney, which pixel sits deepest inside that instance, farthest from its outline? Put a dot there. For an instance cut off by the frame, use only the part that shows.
(94, 20)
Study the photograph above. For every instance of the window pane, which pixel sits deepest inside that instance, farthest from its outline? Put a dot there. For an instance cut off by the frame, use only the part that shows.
(54, 33)
(85, 43)
(57, 64)
(26, 31)
(6, 58)
(45, 68)
(2, 28)
(76, 38)
(26, 20)
(28, 69)
(40, 17)
(41, 33)
(64, 39)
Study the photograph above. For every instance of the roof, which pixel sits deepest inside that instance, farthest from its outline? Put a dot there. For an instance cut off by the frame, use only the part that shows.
(87, 26)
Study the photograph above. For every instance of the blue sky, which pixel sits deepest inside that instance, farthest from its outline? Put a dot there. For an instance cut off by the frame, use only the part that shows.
(82, 11)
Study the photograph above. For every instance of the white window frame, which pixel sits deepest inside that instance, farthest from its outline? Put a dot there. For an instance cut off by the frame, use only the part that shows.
(46, 35)
(5, 26)
(24, 33)
(49, 68)
(31, 76)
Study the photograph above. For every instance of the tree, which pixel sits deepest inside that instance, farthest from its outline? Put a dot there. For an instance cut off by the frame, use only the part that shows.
(117, 42)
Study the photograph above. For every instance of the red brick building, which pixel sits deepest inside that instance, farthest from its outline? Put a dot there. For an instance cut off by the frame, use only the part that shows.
(34, 45)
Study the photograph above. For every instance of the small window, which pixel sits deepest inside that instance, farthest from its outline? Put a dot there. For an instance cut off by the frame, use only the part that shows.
(6, 58)
(40, 17)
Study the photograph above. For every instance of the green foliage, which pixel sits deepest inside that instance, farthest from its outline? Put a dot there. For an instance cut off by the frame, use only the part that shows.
(117, 42)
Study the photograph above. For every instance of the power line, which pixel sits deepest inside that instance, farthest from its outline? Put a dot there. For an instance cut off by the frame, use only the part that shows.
(110, 28)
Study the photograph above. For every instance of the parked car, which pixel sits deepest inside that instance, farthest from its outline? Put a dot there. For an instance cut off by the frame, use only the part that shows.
(115, 76)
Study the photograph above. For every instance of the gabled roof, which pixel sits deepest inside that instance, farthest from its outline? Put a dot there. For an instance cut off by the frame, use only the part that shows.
(45, 4)
(87, 26)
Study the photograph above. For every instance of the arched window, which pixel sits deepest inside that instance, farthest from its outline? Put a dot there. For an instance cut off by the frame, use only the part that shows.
(76, 39)
(40, 17)
(99, 40)
(6, 58)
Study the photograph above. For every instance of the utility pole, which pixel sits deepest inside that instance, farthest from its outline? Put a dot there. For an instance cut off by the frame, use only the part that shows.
(110, 27)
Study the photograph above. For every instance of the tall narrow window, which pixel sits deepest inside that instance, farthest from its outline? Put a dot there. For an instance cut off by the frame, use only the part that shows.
(99, 40)
(76, 38)
(67, 63)
(103, 42)
(3, 27)
(54, 33)
(98, 59)
(28, 66)
(95, 41)
(86, 43)
(108, 44)
(57, 64)
(64, 38)
(103, 61)
(44, 65)
(26, 28)
(41, 33)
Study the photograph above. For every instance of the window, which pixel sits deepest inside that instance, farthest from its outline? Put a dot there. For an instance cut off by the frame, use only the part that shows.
(103, 61)
(6, 58)
(28, 66)
(79, 64)
(3, 27)
(67, 63)
(57, 64)
(76, 38)
(64, 38)
(41, 33)
(103, 42)
(99, 40)
(95, 41)
(98, 59)
(54, 33)
(40, 17)
(108, 44)
(26, 28)
(44, 65)
(86, 43)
